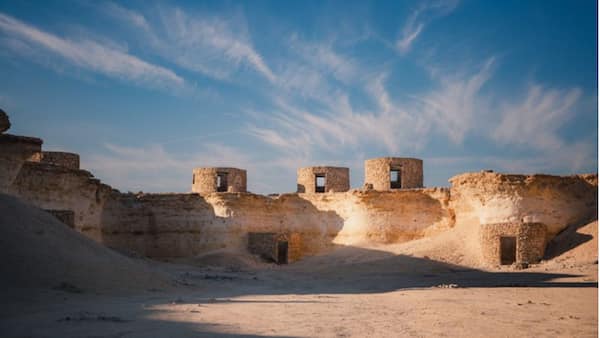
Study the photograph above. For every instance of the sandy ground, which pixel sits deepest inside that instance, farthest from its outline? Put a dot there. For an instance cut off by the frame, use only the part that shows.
(350, 291)
(372, 300)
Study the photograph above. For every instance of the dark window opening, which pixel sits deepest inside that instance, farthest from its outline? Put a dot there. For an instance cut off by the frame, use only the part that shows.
(282, 252)
(320, 183)
(221, 182)
(508, 250)
(194, 179)
(395, 178)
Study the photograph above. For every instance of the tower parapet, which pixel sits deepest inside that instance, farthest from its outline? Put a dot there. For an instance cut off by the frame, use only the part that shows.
(388, 173)
(323, 179)
(209, 180)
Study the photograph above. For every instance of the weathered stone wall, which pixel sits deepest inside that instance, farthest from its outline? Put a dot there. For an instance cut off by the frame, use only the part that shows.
(387, 216)
(170, 225)
(556, 201)
(162, 225)
(263, 244)
(337, 179)
(61, 159)
(175, 225)
(530, 238)
(377, 172)
(59, 188)
(14, 152)
(204, 180)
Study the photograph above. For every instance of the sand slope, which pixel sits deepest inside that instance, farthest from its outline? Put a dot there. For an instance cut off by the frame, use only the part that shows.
(576, 245)
(40, 251)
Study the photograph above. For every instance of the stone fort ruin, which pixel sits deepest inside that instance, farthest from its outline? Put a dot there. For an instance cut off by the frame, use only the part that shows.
(508, 219)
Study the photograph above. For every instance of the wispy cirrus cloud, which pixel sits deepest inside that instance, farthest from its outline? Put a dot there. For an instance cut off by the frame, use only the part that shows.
(213, 45)
(456, 105)
(453, 108)
(129, 16)
(535, 120)
(419, 19)
(88, 54)
(324, 58)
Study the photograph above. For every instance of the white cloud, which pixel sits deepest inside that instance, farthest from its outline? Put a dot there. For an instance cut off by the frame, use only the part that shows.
(324, 58)
(90, 55)
(409, 34)
(214, 46)
(534, 121)
(457, 105)
(419, 18)
(132, 17)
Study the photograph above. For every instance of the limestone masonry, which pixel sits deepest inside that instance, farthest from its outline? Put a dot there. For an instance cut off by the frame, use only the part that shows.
(208, 180)
(61, 159)
(388, 173)
(323, 179)
(505, 219)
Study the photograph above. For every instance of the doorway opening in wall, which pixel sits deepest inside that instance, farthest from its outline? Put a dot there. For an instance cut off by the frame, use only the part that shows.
(508, 250)
(221, 182)
(282, 252)
(396, 178)
(320, 183)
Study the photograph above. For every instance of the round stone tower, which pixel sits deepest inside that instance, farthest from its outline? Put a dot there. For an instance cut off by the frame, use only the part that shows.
(323, 179)
(208, 180)
(388, 173)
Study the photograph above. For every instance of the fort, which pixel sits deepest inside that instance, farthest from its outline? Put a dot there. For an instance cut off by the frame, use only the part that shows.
(504, 219)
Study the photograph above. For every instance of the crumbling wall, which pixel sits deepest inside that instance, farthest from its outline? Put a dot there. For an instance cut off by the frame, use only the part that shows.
(387, 216)
(556, 201)
(171, 225)
(175, 225)
(14, 152)
(263, 244)
(377, 172)
(61, 159)
(288, 213)
(162, 225)
(59, 188)
(204, 180)
(337, 179)
(530, 241)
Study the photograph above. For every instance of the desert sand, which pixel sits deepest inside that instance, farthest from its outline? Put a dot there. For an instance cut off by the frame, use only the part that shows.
(57, 283)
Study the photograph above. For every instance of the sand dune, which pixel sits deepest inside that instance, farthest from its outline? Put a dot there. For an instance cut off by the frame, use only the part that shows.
(40, 251)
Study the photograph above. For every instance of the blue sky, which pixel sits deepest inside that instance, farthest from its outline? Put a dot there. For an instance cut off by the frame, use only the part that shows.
(145, 91)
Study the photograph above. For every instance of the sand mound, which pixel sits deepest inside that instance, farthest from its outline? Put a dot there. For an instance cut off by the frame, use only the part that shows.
(576, 245)
(224, 259)
(37, 250)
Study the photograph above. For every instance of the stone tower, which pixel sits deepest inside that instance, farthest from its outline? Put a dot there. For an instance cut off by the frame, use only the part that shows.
(389, 173)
